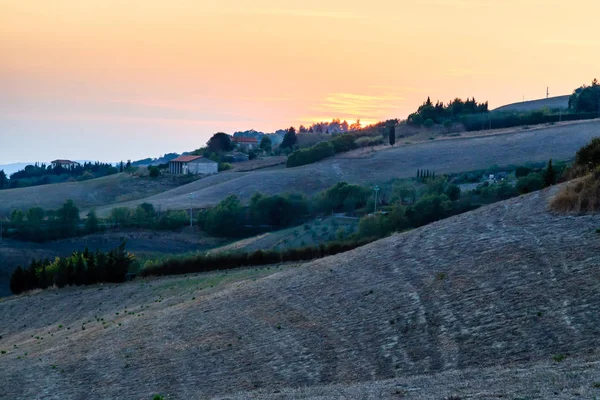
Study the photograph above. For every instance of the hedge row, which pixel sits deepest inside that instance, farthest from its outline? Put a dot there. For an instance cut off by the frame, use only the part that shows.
(223, 261)
(311, 155)
(509, 120)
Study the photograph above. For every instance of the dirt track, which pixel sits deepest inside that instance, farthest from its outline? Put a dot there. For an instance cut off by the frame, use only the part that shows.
(504, 288)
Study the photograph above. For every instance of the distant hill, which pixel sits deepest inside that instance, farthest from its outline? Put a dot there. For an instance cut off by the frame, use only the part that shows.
(524, 106)
(12, 168)
(155, 161)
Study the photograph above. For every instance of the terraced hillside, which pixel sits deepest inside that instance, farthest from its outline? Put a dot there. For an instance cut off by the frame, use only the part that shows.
(558, 142)
(482, 305)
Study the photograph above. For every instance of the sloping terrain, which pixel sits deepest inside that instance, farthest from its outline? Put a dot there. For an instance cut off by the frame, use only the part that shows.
(558, 142)
(310, 234)
(533, 105)
(500, 147)
(143, 244)
(490, 296)
(86, 194)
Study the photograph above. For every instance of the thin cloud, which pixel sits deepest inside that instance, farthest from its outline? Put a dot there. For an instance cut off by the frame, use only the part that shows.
(117, 119)
(572, 42)
(463, 72)
(368, 106)
(307, 13)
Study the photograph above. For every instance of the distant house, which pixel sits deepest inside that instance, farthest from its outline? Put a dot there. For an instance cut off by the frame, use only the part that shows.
(193, 165)
(67, 164)
(247, 143)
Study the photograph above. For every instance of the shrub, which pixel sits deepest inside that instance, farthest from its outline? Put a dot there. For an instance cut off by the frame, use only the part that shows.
(428, 123)
(530, 183)
(223, 166)
(153, 171)
(343, 143)
(367, 141)
(580, 197)
(589, 155)
(522, 171)
(311, 155)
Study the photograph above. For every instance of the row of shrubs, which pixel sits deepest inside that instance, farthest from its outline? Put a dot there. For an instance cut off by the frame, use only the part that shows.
(81, 268)
(223, 261)
(508, 120)
(322, 150)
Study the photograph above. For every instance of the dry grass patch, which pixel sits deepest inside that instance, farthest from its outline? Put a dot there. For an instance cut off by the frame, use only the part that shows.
(581, 196)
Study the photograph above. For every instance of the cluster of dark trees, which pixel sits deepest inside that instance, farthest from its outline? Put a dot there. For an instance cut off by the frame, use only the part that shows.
(42, 174)
(429, 114)
(81, 268)
(586, 99)
(39, 225)
(263, 213)
(424, 174)
(322, 150)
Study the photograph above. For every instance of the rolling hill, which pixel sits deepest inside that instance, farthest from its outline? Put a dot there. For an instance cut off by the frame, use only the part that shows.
(503, 302)
(559, 142)
(502, 147)
(86, 194)
(533, 105)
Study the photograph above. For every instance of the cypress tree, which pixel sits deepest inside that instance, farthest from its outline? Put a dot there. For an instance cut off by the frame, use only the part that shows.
(549, 175)
(392, 135)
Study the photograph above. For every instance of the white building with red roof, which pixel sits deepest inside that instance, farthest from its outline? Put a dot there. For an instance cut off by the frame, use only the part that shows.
(245, 142)
(183, 165)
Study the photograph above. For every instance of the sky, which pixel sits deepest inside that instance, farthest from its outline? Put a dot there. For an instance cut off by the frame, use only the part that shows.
(129, 79)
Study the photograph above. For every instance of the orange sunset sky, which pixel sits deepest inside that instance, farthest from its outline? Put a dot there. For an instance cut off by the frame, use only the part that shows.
(124, 79)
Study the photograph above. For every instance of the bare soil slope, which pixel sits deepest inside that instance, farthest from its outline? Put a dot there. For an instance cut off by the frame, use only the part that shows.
(86, 194)
(558, 142)
(490, 296)
(533, 105)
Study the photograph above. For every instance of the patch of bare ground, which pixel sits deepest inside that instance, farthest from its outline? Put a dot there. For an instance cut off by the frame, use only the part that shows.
(504, 300)
(260, 163)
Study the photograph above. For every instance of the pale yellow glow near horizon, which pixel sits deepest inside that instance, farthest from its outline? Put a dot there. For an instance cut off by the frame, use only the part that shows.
(265, 64)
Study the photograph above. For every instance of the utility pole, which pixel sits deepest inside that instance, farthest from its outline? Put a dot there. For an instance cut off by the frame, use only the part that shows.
(547, 91)
(376, 189)
(191, 211)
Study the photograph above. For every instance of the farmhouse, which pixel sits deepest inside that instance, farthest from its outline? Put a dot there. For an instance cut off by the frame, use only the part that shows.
(67, 164)
(245, 142)
(193, 165)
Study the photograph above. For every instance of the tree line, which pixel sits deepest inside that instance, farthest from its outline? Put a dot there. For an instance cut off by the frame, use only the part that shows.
(80, 268)
(42, 174)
